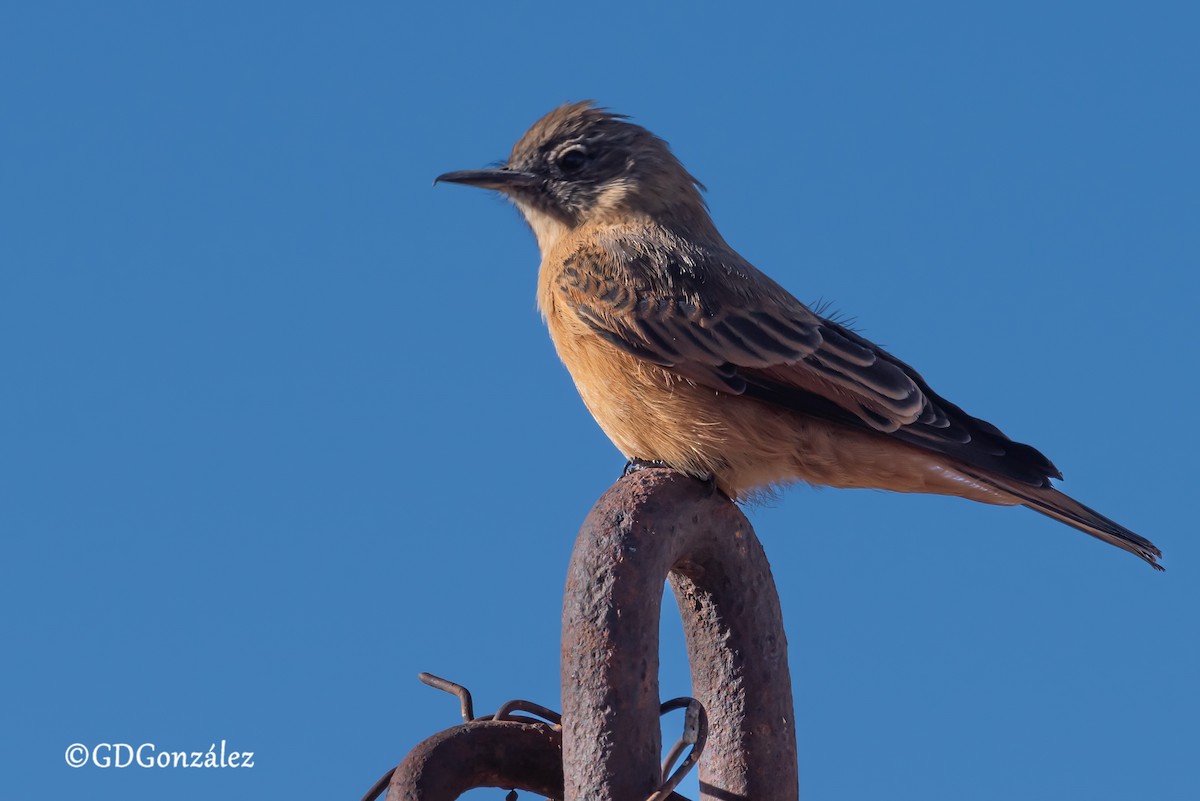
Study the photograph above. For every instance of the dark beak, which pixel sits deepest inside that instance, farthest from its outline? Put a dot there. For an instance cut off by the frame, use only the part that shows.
(503, 179)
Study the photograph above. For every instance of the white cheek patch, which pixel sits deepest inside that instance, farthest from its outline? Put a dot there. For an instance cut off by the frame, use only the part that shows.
(546, 228)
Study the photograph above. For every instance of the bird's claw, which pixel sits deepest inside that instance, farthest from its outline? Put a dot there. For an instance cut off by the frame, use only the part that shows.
(635, 465)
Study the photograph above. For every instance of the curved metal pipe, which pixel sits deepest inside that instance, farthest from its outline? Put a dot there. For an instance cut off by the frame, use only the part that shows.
(483, 753)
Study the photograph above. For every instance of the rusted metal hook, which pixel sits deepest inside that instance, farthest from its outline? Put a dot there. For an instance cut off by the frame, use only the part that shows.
(651, 524)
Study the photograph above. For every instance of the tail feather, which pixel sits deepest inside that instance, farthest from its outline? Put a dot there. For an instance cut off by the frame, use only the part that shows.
(1065, 509)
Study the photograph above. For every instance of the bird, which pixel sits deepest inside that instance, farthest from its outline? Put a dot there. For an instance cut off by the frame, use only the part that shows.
(688, 356)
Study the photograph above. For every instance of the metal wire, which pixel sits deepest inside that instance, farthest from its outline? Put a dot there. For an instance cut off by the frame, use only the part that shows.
(464, 695)
(518, 705)
(695, 734)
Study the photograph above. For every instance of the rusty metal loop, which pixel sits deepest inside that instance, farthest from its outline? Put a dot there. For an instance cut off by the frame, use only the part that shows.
(445, 685)
(519, 705)
(654, 526)
(695, 734)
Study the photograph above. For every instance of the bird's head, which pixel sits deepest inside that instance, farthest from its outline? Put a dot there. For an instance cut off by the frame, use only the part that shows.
(581, 164)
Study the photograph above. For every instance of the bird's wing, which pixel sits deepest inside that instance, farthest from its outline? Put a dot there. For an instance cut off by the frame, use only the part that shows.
(716, 320)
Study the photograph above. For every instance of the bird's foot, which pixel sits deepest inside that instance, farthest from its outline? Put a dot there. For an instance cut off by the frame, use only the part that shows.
(637, 465)
(634, 465)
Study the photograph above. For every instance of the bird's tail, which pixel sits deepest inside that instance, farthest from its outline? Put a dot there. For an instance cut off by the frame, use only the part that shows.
(1066, 509)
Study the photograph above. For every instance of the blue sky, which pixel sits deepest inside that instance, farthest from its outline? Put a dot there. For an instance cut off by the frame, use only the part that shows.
(282, 427)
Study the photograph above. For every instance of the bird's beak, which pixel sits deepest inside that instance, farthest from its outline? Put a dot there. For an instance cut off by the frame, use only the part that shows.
(503, 180)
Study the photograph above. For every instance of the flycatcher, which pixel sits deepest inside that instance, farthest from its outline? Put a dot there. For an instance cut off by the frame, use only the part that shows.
(687, 355)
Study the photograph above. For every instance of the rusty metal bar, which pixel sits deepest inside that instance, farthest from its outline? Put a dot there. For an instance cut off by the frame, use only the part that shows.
(483, 753)
(650, 524)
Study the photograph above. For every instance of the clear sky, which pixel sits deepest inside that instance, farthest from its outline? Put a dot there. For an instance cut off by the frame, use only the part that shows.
(281, 426)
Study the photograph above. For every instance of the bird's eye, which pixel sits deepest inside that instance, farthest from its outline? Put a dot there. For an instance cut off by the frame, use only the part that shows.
(572, 160)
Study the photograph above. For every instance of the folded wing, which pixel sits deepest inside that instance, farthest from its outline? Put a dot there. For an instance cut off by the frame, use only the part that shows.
(730, 328)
